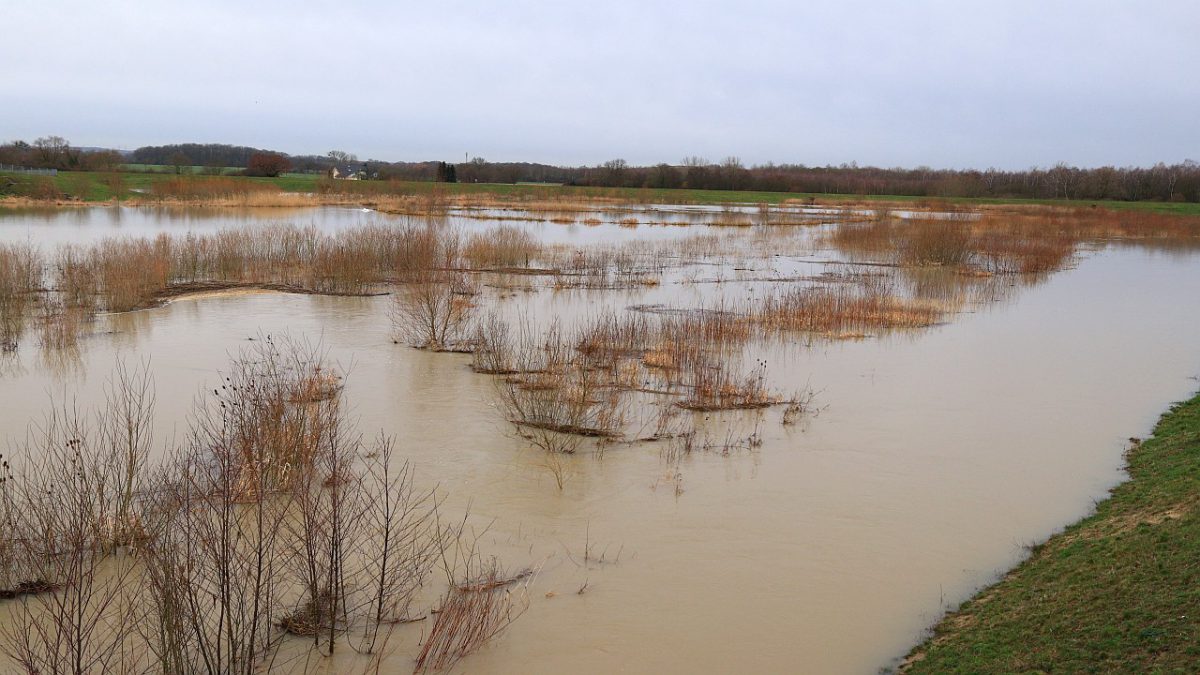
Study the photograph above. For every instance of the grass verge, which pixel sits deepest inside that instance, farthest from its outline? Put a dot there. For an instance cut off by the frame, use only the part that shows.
(1118, 591)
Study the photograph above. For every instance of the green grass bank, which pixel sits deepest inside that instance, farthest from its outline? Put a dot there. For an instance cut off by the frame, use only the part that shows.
(1118, 592)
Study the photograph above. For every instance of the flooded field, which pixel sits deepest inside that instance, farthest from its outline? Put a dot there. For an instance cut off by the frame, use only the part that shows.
(805, 433)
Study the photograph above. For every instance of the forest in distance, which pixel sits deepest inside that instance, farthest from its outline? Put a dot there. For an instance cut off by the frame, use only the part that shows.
(1178, 182)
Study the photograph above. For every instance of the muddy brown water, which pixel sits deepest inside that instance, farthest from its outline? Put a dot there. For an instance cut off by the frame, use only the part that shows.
(936, 457)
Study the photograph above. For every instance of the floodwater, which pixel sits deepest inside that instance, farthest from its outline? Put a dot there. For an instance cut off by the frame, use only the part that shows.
(935, 458)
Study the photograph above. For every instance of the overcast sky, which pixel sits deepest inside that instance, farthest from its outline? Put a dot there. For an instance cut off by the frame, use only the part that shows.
(946, 84)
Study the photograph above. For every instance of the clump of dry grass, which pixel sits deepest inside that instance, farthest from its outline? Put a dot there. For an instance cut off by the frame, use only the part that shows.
(130, 271)
(123, 274)
(504, 246)
(471, 614)
(1004, 240)
(843, 310)
(560, 389)
(715, 385)
(999, 254)
(21, 270)
(937, 242)
(266, 422)
(350, 262)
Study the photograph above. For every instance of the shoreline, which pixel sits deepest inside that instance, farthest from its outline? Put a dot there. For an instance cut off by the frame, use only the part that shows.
(1116, 591)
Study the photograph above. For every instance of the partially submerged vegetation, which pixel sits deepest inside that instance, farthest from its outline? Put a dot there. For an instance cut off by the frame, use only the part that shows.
(271, 463)
(271, 536)
(1115, 592)
(618, 378)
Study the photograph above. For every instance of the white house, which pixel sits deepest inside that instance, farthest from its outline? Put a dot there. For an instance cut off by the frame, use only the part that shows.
(345, 173)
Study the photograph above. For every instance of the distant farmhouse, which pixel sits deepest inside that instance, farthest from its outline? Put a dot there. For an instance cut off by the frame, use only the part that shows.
(346, 172)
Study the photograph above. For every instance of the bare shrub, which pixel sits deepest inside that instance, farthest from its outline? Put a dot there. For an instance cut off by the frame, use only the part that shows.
(555, 400)
(494, 347)
(406, 543)
(271, 520)
(430, 314)
(69, 521)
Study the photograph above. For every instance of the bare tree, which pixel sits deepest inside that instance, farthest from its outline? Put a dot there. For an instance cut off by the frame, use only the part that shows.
(434, 312)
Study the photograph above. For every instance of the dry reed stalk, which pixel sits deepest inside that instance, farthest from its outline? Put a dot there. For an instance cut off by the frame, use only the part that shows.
(471, 615)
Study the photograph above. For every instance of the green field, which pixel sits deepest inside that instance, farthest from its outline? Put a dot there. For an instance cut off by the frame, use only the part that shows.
(167, 168)
(103, 186)
(96, 186)
(1118, 592)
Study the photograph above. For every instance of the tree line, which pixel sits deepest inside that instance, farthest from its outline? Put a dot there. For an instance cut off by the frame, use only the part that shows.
(55, 152)
(1161, 182)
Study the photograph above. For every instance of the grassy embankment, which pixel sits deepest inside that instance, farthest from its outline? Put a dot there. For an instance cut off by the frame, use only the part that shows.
(105, 186)
(1118, 592)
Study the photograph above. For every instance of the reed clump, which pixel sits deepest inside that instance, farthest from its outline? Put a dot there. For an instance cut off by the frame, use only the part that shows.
(1004, 240)
(504, 246)
(843, 310)
(276, 407)
(629, 265)
(21, 271)
(122, 274)
(716, 385)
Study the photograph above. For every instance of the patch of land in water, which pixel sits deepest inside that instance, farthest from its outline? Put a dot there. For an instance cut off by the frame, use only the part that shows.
(1119, 591)
(213, 288)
